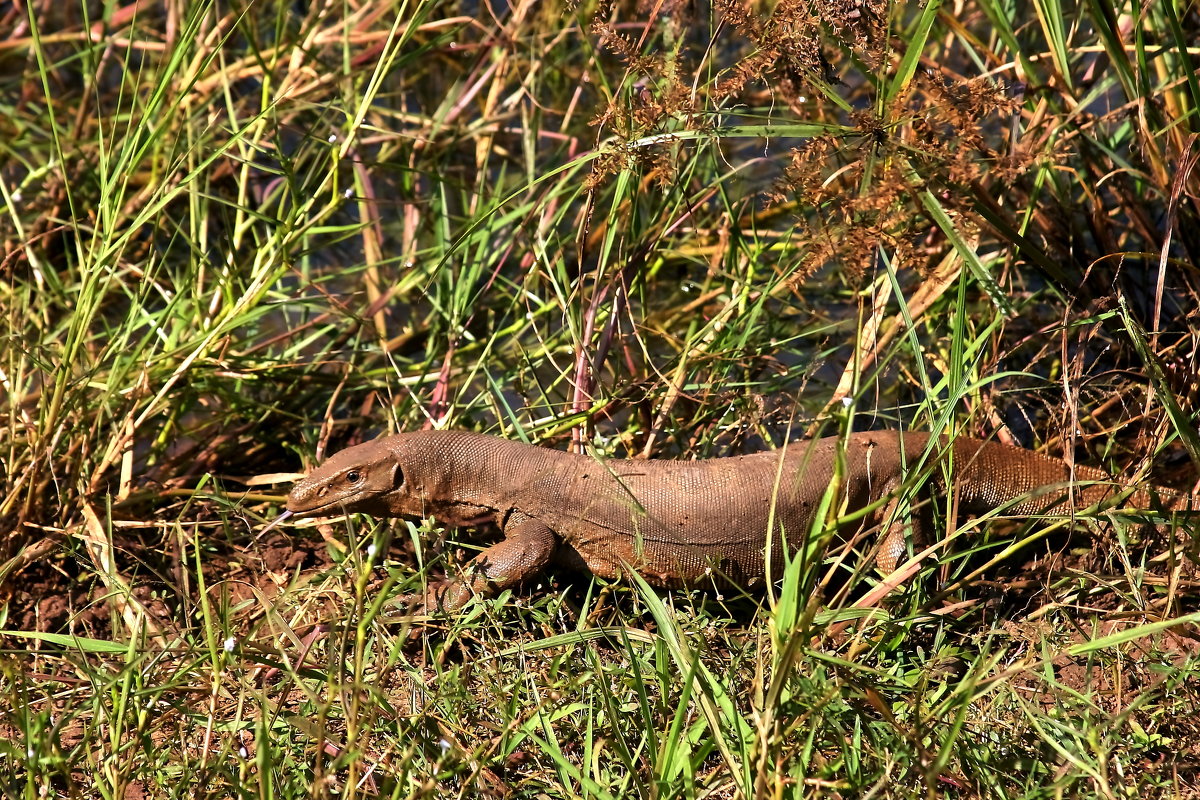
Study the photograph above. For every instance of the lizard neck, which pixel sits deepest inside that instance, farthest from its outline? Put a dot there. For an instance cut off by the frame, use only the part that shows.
(460, 477)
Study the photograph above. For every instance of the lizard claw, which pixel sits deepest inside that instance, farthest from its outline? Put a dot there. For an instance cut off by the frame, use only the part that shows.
(439, 597)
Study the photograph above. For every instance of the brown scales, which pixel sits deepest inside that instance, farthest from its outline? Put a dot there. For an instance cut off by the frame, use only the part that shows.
(685, 522)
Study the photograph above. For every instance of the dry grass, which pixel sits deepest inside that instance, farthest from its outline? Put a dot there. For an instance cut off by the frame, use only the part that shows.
(236, 237)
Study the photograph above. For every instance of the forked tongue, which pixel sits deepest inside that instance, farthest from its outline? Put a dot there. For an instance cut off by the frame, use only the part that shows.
(275, 522)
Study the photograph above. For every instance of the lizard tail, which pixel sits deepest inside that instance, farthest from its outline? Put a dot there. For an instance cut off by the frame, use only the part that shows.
(1023, 483)
(989, 476)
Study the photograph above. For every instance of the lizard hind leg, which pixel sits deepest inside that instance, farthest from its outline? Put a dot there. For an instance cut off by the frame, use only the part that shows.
(900, 528)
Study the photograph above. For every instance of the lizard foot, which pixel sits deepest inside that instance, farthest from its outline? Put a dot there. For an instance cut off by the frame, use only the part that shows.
(438, 597)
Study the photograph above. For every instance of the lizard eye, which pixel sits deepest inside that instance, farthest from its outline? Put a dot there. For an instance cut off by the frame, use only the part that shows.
(353, 476)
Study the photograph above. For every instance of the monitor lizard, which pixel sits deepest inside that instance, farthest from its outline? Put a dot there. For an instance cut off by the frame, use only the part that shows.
(681, 523)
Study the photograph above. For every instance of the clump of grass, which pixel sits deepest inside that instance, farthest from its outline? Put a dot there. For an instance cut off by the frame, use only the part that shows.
(237, 238)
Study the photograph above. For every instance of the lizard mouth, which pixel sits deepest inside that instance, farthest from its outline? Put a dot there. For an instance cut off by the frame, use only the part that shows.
(329, 508)
(315, 511)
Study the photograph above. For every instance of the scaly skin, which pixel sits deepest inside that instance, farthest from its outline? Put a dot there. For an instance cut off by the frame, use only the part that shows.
(681, 522)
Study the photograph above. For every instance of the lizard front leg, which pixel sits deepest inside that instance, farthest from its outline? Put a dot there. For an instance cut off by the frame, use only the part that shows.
(527, 547)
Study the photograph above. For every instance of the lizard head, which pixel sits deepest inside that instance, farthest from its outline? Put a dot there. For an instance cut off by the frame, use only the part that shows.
(355, 479)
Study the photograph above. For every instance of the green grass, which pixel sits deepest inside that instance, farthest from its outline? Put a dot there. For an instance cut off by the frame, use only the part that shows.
(238, 237)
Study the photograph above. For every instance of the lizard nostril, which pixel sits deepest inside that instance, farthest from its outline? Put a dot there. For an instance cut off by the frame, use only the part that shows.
(324, 490)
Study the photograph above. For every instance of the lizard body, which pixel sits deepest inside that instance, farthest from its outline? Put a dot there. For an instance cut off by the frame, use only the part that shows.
(680, 522)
